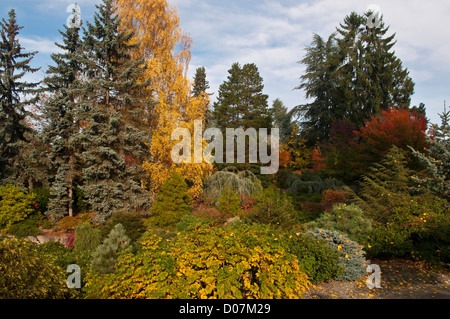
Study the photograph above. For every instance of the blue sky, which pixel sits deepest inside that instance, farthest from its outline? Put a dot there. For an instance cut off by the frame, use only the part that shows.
(273, 34)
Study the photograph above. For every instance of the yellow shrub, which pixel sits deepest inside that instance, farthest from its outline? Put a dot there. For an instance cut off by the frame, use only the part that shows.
(238, 261)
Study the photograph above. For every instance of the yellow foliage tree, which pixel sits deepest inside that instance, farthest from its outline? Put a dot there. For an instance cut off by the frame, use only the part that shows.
(300, 155)
(166, 49)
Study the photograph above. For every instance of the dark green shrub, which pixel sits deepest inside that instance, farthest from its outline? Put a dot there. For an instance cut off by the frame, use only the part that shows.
(189, 222)
(63, 256)
(351, 254)
(317, 259)
(87, 238)
(25, 228)
(273, 208)
(171, 203)
(229, 203)
(42, 197)
(28, 274)
(346, 219)
(133, 224)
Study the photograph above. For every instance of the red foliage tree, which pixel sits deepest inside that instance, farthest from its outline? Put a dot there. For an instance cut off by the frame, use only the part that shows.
(399, 127)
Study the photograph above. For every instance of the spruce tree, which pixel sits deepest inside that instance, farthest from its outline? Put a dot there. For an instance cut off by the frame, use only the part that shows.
(15, 95)
(115, 140)
(436, 160)
(241, 102)
(201, 85)
(62, 113)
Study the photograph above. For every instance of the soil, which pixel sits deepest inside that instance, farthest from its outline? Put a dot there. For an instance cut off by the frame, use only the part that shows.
(400, 279)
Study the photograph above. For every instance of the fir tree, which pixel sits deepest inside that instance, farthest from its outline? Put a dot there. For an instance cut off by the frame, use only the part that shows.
(241, 102)
(104, 257)
(115, 140)
(14, 65)
(172, 202)
(62, 113)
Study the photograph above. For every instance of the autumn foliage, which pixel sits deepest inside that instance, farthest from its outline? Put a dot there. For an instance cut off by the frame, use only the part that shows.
(166, 50)
(399, 127)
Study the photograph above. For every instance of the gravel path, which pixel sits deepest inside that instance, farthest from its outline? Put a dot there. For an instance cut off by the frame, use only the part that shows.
(400, 279)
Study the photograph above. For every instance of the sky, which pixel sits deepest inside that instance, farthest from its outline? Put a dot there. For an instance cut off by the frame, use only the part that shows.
(272, 34)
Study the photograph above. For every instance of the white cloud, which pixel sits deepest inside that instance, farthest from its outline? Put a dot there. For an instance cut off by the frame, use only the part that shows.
(42, 45)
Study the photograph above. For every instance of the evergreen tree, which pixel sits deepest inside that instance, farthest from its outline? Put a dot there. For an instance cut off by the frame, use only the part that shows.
(353, 75)
(385, 186)
(172, 202)
(115, 140)
(62, 113)
(201, 85)
(241, 102)
(14, 65)
(282, 119)
(104, 257)
(199, 88)
(369, 71)
(319, 84)
(436, 159)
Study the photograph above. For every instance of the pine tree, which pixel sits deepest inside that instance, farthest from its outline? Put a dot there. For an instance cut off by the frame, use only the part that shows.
(241, 102)
(104, 257)
(62, 113)
(114, 139)
(14, 65)
(436, 159)
(172, 202)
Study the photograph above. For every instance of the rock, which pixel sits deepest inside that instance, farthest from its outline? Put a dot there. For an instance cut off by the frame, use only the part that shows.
(232, 220)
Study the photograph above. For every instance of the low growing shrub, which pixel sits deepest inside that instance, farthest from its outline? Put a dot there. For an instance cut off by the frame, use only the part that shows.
(317, 259)
(273, 208)
(28, 274)
(15, 205)
(351, 254)
(346, 219)
(238, 261)
(132, 223)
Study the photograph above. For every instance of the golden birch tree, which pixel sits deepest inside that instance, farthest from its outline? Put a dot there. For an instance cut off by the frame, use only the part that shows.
(166, 49)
